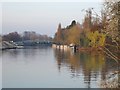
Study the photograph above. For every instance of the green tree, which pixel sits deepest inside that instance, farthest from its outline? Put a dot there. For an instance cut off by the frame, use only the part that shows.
(84, 41)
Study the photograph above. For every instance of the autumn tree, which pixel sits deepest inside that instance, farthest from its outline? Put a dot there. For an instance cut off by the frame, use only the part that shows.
(96, 39)
(111, 8)
(68, 35)
(74, 35)
(87, 23)
(59, 35)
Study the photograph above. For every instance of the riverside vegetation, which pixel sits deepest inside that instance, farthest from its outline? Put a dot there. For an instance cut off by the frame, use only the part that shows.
(96, 32)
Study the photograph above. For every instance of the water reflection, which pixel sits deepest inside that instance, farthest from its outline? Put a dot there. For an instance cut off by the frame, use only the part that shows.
(94, 66)
(42, 67)
(0, 69)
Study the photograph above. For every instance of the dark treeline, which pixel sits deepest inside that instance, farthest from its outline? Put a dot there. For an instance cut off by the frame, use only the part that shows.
(27, 35)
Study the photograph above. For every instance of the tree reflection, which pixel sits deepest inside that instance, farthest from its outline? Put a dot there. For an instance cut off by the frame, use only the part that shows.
(93, 65)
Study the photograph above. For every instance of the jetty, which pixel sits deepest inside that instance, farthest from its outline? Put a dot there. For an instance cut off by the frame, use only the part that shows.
(7, 45)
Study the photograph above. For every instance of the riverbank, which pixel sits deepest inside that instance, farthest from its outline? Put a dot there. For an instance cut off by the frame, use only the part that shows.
(90, 49)
(4, 45)
(77, 48)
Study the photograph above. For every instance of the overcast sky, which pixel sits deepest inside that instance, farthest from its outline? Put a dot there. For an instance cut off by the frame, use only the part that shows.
(42, 17)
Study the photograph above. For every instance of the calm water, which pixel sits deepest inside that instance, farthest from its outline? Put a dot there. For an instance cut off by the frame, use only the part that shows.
(0, 69)
(49, 68)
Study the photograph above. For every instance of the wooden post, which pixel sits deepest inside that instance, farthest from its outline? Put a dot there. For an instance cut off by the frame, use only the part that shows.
(75, 48)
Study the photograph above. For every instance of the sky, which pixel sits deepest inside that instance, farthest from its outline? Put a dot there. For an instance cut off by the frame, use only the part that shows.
(42, 17)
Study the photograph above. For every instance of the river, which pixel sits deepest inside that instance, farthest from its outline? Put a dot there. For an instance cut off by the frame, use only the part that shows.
(45, 67)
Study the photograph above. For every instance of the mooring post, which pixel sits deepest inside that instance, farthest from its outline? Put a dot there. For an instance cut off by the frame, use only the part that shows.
(75, 48)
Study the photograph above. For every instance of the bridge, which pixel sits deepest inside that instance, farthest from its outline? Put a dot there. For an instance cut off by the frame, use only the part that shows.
(34, 43)
(21, 44)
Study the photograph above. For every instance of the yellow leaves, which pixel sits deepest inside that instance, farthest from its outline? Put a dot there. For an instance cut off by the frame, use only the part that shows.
(85, 38)
(102, 39)
(96, 38)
